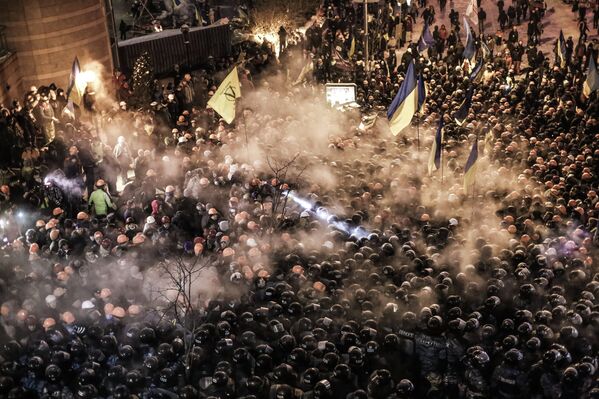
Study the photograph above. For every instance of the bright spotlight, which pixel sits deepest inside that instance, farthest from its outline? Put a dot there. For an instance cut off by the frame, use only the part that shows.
(323, 214)
(84, 78)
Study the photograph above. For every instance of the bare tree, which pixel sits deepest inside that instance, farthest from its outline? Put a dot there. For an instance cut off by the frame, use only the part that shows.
(287, 173)
(176, 295)
(269, 15)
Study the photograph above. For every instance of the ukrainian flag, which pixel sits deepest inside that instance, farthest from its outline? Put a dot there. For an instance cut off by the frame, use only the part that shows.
(224, 100)
(470, 169)
(426, 39)
(462, 113)
(592, 81)
(421, 93)
(486, 52)
(561, 50)
(73, 93)
(199, 18)
(476, 74)
(470, 49)
(405, 103)
(434, 160)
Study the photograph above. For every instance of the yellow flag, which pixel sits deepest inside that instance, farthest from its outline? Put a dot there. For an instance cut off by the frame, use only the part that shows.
(224, 100)
(592, 81)
(352, 48)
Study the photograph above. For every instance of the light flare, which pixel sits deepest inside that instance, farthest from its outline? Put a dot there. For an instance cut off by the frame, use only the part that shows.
(323, 214)
(84, 78)
(270, 34)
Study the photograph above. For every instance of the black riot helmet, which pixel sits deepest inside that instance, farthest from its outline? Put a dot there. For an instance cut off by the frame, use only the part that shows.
(126, 352)
(323, 389)
(35, 363)
(133, 378)
(404, 387)
(121, 392)
(188, 392)
(310, 377)
(53, 372)
(6, 384)
(220, 378)
(86, 392)
(147, 336)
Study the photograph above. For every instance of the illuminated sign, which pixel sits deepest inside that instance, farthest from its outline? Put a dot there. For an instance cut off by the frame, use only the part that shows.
(340, 93)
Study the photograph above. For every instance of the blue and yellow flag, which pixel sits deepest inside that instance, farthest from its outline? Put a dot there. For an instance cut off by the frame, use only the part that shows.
(434, 160)
(592, 81)
(470, 168)
(73, 92)
(486, 52)
(426, 39)
(199, 18)
(405, 103)
(470, 48)
(477, 72)
(421, 93)
(462, 113)
(225, 98)
(561, 50)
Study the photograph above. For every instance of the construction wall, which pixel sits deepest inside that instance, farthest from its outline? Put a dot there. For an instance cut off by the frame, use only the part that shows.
(167, 48)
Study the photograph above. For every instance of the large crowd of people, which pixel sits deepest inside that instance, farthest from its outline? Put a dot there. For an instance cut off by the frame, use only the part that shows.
(157, 252)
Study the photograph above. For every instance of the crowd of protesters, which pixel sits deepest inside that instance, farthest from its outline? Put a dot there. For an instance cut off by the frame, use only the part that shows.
(405, 297)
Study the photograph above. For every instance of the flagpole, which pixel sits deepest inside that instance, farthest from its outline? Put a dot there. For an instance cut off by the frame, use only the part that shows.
(245, 130)
(441, 159)
(418, 132)
(472, 208)
(441, 151)
(473, 198)
(367, 58)
(474, 182)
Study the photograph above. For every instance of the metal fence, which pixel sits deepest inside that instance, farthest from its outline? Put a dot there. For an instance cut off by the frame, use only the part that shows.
(168, 48)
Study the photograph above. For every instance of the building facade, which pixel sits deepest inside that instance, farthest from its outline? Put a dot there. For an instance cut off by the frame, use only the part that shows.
(46, 35)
